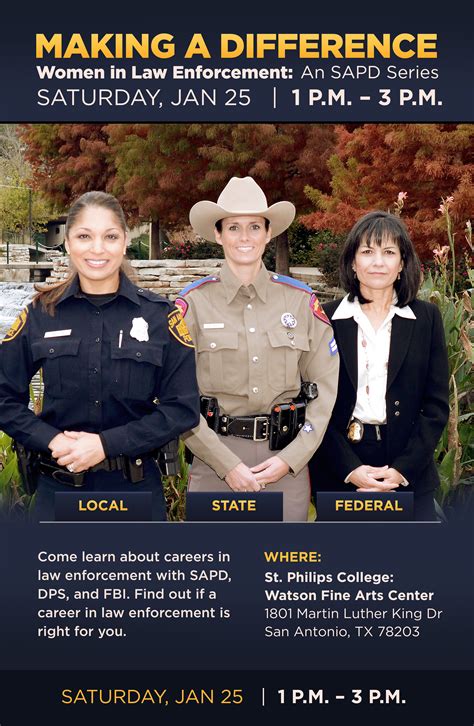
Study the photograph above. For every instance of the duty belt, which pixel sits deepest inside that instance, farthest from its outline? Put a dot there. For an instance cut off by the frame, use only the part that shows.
(132, 468)
(256, 428)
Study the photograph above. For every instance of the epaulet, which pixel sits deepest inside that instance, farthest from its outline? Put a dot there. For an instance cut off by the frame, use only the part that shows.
(197, 283)
(153, 296)
(285, 280)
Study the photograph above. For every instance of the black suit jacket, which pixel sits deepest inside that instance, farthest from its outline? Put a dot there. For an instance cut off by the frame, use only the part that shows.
(417, 401)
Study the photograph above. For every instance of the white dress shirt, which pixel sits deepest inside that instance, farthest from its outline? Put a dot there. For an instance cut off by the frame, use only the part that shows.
(372, 358)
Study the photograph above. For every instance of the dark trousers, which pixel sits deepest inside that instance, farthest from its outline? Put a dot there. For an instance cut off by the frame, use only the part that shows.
(374, 453)
(101, 481)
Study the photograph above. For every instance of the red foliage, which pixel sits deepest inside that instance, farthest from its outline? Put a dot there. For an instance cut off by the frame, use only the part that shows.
(374, 162)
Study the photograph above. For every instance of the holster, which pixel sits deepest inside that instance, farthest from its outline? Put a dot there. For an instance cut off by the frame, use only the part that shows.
(285, 422)
(28, 466)
(168, 459)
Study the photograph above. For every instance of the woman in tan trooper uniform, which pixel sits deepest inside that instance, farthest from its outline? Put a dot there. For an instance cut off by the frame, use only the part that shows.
(258, 336)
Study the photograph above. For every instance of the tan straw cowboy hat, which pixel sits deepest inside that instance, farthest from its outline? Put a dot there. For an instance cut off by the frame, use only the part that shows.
(239, 197)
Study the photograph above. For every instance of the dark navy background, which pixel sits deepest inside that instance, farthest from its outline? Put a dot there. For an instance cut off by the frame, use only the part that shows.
(234, 653)
(20, 82)
(425, 557)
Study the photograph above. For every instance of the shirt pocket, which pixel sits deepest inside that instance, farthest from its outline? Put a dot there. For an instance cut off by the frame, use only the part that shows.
(283, 359)
(61, 366)
(134, 370)
(218, 367)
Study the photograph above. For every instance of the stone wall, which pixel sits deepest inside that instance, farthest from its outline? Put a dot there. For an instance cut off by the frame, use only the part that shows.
(168, 277)
(17, 253)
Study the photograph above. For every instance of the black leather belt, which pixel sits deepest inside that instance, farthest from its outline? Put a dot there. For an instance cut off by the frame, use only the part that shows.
(256, 428)
(132, 468)
(374, 432)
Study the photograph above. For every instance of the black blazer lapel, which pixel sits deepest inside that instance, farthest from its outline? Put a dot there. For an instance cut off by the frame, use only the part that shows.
(402, 331)
(346, 331)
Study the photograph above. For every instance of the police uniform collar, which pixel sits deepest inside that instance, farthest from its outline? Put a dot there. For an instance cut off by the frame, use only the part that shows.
(232, 284)
(126, 289)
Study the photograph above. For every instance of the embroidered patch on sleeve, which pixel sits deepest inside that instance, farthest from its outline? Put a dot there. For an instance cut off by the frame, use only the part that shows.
(317, 310)
(182, 305)
(17, 326)
(332, 346)
(178, 328)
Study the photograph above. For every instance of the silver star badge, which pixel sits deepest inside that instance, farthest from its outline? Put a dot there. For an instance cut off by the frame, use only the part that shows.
(288, 320)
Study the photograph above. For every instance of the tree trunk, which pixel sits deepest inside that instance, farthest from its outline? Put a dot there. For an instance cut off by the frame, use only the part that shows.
(155, 246)
(282, 254)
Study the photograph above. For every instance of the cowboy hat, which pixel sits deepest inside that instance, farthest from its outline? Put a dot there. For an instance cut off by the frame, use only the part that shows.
(240, 197)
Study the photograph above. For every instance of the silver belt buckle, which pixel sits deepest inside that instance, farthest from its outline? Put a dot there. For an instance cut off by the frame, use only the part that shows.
(255, 423)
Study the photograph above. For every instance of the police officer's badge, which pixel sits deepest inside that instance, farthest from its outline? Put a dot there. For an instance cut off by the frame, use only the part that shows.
(17, 326)
(178, 328)
(139, 330)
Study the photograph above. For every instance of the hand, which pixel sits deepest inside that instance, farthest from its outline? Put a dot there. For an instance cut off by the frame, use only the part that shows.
(365, 478)
(270, 470)
(392, 477)
(241, 479)
(86, 450)
(60, 446)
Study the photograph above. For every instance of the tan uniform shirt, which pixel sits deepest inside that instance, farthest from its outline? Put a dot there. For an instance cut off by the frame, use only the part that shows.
(249, 360)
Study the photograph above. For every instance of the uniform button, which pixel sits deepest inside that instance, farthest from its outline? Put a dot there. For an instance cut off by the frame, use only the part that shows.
(255, 359)
(212, 345)
(139, 355)
(94, 370)
(249, 306)
(251, 330)
(255, 389)
(397, 413)
(97, 340)
(96, 403)
(138, 462)
(96, 312)
(293, 342)
(140, 289)
(397, 403)
(51, 350)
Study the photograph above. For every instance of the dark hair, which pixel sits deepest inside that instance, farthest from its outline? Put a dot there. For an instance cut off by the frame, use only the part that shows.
(50, 295)
(95, 199)
(218, 224)
(374, 228)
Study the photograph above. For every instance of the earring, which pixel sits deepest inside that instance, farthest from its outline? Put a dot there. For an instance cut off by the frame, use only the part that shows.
(398, 276)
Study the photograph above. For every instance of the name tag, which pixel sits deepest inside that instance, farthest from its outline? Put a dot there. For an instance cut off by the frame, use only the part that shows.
(212, 326)
(57, 333)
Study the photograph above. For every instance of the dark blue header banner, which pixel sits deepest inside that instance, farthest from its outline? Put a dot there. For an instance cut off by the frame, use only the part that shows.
(298, 69)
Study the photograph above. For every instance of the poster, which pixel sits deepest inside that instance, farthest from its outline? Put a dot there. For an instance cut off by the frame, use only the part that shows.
(331, 622)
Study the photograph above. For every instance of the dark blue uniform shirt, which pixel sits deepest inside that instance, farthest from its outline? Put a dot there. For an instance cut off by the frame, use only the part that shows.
(124, 370)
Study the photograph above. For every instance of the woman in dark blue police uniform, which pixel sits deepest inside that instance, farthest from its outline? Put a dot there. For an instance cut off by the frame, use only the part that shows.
(108, 351)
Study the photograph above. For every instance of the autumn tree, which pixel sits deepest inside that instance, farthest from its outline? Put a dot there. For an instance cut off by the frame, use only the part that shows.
(158, 171)
(20, 209)
(374, 162)
(163, 170)
(68, 159)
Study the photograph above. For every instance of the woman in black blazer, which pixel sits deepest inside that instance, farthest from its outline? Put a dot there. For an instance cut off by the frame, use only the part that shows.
(392, 402)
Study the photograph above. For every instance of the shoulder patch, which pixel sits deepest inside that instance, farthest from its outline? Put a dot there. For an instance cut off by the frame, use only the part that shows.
(178, 328)
(181, 305)
(197, 283)
(17, 326)
(285, 280)
(317, 310)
